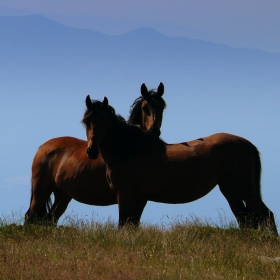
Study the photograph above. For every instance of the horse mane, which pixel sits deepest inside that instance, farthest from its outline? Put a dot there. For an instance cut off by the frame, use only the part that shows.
(135, 109)
(96, 105)
(130, 138)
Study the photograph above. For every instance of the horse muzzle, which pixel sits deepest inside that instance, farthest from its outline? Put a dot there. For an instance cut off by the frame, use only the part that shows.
(92, 152)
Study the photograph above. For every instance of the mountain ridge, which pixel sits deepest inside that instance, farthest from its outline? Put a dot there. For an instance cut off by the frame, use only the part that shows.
(39, 45)
(38, 22)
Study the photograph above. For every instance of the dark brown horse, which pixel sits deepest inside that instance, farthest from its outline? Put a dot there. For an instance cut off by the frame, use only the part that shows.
(141, 167)
(61, 166)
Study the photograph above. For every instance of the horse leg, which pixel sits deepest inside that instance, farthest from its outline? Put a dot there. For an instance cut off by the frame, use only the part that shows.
(237, 206)
(263, 215)
(61, 201)
(254, 214)
(130, 209)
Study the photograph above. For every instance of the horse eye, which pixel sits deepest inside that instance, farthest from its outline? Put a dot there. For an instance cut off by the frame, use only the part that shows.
(146, 110)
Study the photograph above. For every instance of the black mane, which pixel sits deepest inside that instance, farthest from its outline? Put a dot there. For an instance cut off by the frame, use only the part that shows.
(130, 138)
(95, 107)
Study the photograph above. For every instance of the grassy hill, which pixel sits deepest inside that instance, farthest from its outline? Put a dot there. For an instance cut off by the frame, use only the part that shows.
(93, 251)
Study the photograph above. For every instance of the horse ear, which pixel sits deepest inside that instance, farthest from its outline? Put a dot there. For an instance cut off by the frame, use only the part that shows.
(105, 103)
(144, 91)
(160, 89)
(88, 102)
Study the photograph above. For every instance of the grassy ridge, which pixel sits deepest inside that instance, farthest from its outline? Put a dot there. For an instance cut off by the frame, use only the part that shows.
(101, 251)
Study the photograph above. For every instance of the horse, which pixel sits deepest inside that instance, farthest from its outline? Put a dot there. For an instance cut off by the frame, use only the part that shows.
(61, 167)
(142, 167)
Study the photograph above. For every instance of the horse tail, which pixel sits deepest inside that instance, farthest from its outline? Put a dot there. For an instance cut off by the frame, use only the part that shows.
(45, 210)
(258, 171)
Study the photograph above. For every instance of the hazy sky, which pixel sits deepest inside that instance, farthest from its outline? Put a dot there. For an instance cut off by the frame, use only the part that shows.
(250, 23)
(246, 99)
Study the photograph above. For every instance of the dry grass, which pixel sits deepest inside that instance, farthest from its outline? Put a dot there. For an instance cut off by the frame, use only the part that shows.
(100, 251)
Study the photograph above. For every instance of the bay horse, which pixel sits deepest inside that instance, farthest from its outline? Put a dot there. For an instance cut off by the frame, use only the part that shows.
(61, 166)
(141, 168)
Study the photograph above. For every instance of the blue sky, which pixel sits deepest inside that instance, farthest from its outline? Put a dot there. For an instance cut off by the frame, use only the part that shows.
(253, 24)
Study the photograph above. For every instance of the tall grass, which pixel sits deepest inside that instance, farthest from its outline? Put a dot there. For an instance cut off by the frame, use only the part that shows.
(90, 250)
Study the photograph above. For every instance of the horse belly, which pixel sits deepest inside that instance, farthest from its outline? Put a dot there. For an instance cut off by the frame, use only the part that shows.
(86, 183)
(175, 192)
(183, 182)
(93, 192)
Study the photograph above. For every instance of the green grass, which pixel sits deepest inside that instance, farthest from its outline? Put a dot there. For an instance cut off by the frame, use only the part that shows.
(89, 250)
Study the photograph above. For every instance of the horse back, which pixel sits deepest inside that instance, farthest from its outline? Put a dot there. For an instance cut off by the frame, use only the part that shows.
(50, 156)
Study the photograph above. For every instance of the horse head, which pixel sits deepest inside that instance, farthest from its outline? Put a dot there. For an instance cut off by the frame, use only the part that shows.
(147, 110)
(95, 120)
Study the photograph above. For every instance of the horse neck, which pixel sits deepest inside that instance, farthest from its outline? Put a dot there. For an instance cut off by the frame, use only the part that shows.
(114, 142)
(124, 140)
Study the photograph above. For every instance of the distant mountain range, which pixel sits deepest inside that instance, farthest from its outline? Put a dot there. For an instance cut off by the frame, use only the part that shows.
(42, 34)
(35, 50)
(40, 43)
